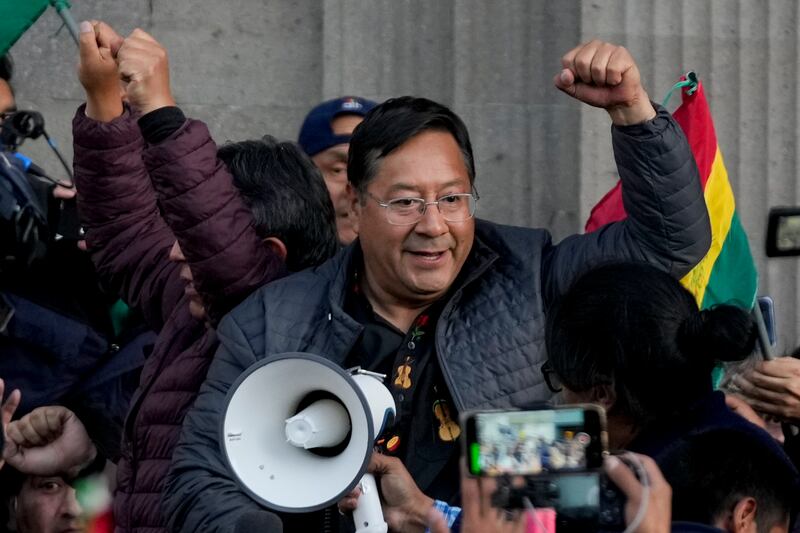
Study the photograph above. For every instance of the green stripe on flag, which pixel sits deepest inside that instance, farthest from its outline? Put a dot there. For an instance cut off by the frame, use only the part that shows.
(16, 16)
(734, 279)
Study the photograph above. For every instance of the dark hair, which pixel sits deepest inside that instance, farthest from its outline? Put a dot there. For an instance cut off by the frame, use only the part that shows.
(636, 328)
(392, 123)
(288, 198)
(710, 472)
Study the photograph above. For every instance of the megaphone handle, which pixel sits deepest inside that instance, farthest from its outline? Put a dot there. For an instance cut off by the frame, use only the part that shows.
(368, 515)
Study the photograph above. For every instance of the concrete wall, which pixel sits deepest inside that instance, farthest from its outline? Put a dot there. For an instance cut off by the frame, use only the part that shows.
(251, 67)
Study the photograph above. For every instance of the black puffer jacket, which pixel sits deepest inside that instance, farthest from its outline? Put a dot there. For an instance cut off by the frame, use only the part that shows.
(490, 335)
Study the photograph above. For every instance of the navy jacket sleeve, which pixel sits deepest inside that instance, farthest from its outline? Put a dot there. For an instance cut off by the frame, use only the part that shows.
(667, 224)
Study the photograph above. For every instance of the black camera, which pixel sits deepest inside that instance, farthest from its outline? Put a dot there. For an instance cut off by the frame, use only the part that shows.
(583, 501)
(18, 126)
(24, 230)
(558, 452)
(29, 214)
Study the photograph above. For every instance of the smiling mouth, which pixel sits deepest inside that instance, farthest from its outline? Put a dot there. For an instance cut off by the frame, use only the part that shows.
(428, 255)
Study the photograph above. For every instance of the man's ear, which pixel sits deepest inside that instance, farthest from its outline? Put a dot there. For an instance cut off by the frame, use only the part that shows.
(604, 395)
(743, 517)
(354, 206)
(276, 246)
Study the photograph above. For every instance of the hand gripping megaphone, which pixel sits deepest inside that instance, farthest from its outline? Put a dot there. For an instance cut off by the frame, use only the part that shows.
(298, 432)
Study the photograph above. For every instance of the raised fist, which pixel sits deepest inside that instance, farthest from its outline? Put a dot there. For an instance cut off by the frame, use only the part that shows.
(144, 67)
(97, 70)
(605, 75)
(49, 441)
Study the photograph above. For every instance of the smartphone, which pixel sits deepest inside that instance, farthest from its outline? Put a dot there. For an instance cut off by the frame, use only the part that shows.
(537, 442)
(768, 312)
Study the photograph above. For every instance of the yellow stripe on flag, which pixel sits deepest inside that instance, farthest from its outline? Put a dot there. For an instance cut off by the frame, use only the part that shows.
(721, 205)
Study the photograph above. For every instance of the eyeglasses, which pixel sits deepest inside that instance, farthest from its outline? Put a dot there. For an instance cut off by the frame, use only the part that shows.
(551, 378)
(407, 211)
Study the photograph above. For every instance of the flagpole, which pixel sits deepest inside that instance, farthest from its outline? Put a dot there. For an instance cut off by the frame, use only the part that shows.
(62, 6)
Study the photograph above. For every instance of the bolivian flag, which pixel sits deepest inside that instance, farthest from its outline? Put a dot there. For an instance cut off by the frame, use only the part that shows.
(727, 274)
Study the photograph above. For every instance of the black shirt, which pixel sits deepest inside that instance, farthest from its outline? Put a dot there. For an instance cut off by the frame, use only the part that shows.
(424, 435)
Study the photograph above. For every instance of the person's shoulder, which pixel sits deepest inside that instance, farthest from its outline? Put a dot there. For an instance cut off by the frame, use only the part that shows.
(301, 289)
(512, 241)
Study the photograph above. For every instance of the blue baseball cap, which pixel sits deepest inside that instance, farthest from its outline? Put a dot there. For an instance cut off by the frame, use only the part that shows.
(316, 134)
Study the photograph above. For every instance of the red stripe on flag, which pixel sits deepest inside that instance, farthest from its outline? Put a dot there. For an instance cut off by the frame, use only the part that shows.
(607, 210)
(694, 117)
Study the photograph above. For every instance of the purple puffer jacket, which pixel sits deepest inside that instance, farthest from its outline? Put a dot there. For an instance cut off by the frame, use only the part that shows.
(135, 200)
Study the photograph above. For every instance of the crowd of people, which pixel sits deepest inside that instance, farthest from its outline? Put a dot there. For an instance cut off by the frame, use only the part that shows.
(360, 243)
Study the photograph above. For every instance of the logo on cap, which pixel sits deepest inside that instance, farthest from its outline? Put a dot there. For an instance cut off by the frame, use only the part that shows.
(351, 104)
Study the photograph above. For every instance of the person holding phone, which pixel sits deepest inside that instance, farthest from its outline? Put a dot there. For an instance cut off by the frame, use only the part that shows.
(408, 510)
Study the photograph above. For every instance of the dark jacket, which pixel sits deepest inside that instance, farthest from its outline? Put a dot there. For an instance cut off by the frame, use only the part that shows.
(135, 199)
(490, 334)
(708, 413)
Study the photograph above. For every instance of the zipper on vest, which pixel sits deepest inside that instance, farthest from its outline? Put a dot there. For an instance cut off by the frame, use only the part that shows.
(448, 308)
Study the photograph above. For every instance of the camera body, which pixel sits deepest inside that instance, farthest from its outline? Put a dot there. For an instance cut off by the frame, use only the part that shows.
(583, 502)
(30, 216)
(24, 229)
(18, 126)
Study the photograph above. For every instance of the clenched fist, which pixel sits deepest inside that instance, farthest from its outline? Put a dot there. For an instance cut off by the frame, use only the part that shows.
(144, 67)
(605, 75)
(97, 70)
(49, 441)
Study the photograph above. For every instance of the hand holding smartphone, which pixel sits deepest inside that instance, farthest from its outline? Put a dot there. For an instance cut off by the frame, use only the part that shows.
(559, 452)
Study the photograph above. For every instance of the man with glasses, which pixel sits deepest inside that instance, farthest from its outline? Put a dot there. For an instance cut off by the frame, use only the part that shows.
(449, 307)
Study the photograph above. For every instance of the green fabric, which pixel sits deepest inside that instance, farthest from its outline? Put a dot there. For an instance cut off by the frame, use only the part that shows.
(734, 279)
(16, 16)
(120, 312)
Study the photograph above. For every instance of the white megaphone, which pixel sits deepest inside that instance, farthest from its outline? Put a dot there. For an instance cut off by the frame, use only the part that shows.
(298, 433)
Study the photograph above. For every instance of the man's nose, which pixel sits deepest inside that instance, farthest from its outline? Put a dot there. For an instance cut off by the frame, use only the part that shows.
(176, 254)
(69, 505)
(432, 222)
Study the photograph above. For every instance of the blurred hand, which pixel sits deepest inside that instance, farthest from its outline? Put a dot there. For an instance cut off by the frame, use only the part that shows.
(48, 441)
(605, 75)
(658, 517)
(144, 66)
(63, 193)
(773, 388)
(477, 513)
(405, 508)
(743, 409)
(7, 410)
(97, 70)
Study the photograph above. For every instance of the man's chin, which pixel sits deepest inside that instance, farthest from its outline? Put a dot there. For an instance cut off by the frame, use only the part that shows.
(431, 286)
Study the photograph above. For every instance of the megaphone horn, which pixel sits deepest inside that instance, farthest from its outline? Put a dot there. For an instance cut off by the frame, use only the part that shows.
(298, 433)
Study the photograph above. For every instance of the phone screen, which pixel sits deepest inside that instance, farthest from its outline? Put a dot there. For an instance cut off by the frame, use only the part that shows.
(538, 442)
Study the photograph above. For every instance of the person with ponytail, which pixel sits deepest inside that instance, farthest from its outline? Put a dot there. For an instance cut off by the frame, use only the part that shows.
(632, 339)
